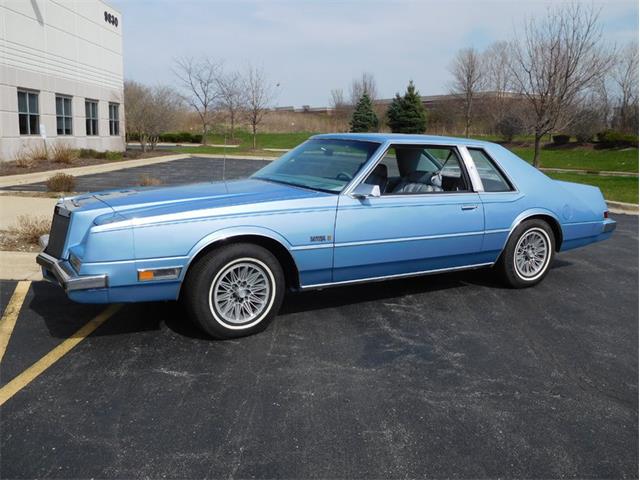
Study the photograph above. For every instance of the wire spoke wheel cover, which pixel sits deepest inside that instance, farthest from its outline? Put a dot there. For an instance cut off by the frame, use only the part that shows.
(532, 254)
(242, 293)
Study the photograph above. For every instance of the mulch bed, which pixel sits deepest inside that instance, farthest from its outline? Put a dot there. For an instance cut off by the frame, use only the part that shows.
(11, 241)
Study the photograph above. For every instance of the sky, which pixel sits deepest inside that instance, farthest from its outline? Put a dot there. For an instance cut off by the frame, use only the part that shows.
(309, 47)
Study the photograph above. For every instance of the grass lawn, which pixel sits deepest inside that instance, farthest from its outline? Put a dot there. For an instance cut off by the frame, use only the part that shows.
(620, 189)
(228, 151)
(586, 159)
(263, 140)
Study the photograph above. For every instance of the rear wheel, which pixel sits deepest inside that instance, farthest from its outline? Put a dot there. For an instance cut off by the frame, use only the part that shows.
(234, 290)
(527, 257)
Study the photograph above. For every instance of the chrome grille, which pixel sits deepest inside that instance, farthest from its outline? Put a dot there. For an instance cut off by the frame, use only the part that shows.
(58, 235)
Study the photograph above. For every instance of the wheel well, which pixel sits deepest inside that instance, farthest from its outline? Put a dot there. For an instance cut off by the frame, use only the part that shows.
(555, 227)
(289, 267)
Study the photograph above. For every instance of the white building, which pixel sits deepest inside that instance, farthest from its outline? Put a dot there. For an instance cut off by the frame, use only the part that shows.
(61, 75)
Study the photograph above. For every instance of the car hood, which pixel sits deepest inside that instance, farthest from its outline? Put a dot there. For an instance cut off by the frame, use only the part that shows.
(150, 202)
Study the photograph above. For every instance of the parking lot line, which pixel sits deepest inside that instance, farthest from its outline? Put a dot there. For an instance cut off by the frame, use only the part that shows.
(31, 373)
(10, 315)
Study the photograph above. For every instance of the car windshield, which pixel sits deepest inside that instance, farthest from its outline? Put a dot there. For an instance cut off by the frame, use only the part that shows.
(320, 164)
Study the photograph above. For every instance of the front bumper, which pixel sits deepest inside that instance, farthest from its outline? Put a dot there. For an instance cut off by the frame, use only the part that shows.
(61, 272)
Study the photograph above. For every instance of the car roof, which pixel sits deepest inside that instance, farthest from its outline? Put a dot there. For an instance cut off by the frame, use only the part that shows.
(384, 137)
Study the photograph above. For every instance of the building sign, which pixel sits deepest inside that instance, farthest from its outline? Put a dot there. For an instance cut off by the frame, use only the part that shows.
(112, 19)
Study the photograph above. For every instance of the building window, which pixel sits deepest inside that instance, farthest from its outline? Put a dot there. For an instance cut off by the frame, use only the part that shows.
(64, 118)
(28, 116)
(91, 112)
(114, 119)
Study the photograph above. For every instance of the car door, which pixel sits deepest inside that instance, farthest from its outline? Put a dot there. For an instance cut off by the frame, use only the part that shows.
(411, 227)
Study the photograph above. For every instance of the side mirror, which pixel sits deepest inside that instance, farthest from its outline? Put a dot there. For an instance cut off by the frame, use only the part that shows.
(365, 190)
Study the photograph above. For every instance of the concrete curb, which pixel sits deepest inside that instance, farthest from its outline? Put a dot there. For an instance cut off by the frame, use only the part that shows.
(603, 173)
(19, 266)
(621, 207)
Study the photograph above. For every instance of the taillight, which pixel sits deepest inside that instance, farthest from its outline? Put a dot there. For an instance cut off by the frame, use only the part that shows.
(606, 214)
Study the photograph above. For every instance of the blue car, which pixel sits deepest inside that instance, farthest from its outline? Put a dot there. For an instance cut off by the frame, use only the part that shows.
(338, 209)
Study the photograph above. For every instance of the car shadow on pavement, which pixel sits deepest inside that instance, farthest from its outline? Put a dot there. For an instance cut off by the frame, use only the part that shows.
(63, 317)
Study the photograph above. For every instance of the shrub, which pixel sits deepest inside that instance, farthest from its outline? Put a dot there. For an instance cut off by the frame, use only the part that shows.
(62, 153)
(196, 138)
(109, 155)
(61, 182)
(615, 139)
(87, 153)
(509, 127)
(22, 159)
(561, 139)
(585, 125)
(37, 152)
(133, 137)
(148, 181)
(29, 229)
(168, 137)
(184, 137)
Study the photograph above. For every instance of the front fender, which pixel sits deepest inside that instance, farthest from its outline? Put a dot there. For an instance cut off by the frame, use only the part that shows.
(237, 231)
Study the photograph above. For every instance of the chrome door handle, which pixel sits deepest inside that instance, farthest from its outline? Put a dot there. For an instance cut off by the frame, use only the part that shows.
(469, 207)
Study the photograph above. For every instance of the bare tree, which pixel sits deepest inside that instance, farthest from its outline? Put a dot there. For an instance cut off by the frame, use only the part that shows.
(198, 79)
(231, 98)
(495, 63)
(467, 82)
(150, 111)
(625, 77)
(341, 108)
(365, 84)
(258, 95)
(556, 61)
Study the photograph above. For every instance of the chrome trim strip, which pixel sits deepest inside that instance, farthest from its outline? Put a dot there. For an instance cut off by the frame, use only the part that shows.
(395, 276)
(406, 239)
(312, 247)
(395, 240)
(476, 181)
(138, 260)
(66, 277)
(609, 226)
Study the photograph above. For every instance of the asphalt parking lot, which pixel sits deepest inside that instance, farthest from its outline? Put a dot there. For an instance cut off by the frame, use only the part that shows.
(187, 170)
(442, 376)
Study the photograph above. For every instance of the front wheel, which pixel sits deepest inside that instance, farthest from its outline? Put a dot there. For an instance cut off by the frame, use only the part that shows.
(527, 257)
(234, 290)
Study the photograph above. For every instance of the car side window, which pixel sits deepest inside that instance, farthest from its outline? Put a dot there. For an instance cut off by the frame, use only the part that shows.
(492, 178)
(412, 169)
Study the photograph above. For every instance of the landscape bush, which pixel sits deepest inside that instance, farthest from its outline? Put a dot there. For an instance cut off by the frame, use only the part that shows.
(29, 229)
(561, 139)
(61, 182)
(111, 155)
(509, 127)
(180, 137)
(615, 139)
(63, 153)
(22, 159)
(87, 153)
(586, 125)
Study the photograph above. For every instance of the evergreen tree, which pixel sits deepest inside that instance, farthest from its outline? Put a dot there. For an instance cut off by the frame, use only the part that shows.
(364, 119)
(407, 114)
